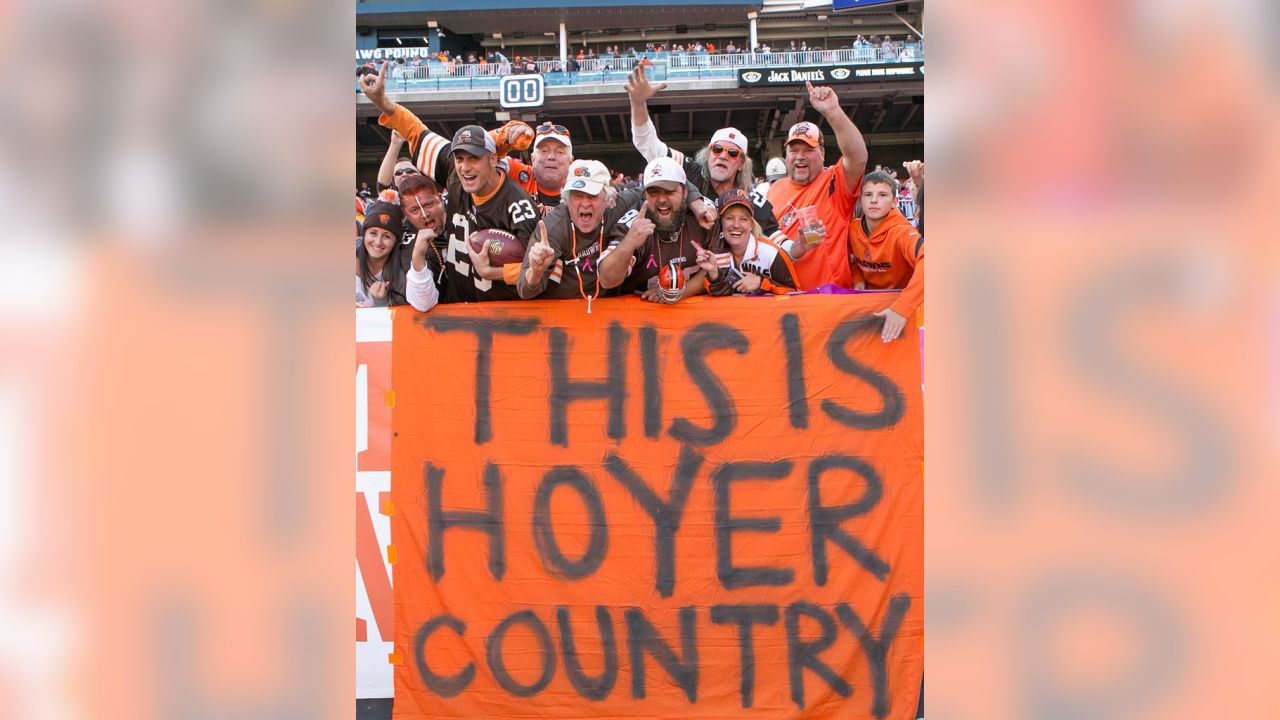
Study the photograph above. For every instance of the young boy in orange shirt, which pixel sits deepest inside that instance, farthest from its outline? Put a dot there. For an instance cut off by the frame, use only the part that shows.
(886, 252)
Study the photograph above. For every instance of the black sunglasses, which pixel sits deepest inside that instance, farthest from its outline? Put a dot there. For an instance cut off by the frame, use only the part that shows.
(406, 171)
(732, 151)
(547, 127)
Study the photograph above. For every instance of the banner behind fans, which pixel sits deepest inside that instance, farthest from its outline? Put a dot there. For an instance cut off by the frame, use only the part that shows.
(706, 510)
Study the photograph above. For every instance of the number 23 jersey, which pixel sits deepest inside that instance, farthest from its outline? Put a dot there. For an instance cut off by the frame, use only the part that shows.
(508, 208)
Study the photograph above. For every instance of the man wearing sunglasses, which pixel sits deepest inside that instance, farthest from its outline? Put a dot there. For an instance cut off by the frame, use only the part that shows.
(551, 156)
(721, 166)
(393, 166)
(829, 190)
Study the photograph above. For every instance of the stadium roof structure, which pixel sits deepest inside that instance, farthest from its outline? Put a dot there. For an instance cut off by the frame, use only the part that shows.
(485, 16)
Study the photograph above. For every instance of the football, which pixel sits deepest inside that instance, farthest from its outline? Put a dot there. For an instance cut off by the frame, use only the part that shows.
(671, 281)
(502, 246)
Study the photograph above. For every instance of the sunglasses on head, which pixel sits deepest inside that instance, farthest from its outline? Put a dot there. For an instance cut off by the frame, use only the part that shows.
(732, 151)
(406, 171)
(547, 127)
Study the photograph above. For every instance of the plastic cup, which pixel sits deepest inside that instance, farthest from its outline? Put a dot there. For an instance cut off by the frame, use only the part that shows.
(810, 225)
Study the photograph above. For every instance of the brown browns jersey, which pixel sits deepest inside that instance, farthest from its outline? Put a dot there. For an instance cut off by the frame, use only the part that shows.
(577, 256)
(658, 250)
(508, 208)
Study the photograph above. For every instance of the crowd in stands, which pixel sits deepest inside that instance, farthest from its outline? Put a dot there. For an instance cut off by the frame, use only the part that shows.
(497, 63)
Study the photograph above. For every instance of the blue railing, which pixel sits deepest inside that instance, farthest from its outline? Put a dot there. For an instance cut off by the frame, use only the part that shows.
(605, 70)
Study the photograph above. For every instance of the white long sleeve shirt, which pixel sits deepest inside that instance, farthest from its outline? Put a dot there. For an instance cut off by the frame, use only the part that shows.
(421, 290)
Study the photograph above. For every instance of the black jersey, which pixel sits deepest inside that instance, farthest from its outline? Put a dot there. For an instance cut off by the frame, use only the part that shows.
(577, 255)
(435, 253)
(659, 250)
(509, 208)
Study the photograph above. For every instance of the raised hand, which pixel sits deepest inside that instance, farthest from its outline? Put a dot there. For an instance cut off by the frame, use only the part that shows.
(421, 244)
(515, 135)
(378, 289)
(541, 254)
(704, 212)
(641, 228)
(915, 169)
(374, 87)
(822, 98)
(639, 87)
(706, 261)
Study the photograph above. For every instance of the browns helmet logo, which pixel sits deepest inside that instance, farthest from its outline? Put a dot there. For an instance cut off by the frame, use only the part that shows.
(582, 171)
(671, 281)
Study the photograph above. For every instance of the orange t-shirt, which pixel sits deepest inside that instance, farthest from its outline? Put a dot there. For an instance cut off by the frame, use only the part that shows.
(830, 193)
(892, 258)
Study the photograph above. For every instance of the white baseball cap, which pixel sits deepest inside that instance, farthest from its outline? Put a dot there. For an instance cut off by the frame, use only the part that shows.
(732, 136)
(775, 168)
(665, 172)
(588, 176)
(568, 144)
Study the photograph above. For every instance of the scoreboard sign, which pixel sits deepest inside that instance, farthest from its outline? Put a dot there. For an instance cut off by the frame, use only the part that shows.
(829, 74)
(522, 91)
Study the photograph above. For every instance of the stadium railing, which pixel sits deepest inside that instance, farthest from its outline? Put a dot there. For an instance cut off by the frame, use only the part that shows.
(663, 66)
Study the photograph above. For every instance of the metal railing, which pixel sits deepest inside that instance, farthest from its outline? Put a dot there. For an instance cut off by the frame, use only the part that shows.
(436, 75)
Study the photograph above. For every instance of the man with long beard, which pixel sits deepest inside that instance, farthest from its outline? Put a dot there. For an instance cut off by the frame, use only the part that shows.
(659, 233)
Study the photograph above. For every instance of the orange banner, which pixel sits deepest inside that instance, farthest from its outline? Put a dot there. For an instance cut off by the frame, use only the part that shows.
(704, 510)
